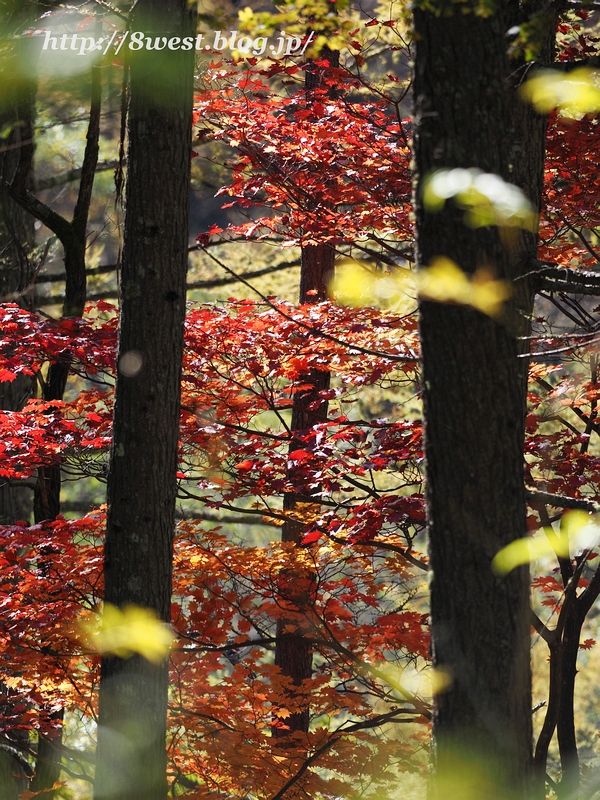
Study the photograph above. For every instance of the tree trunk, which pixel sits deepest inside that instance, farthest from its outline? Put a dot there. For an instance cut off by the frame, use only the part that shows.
(474, 402)
(17, 239)
(131, 755)
(293, 652)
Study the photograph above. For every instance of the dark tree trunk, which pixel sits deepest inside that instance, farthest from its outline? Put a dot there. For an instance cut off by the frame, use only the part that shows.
(466, 115)
(565, 728)
(131, 756)
(48, 763)
(293, 652)
(17, 239)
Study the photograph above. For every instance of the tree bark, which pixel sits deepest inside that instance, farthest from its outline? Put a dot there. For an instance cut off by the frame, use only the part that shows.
(17, 240)
(292, 649)
(131, 756)
(293, 652)
(474, 390)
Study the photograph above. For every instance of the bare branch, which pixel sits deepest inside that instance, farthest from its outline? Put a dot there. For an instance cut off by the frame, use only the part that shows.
(560, 501)
(41, 184)
(554, 278)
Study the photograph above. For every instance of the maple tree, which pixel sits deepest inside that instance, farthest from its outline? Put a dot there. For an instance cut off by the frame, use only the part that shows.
(528, 172)
(217, 586)
(333, 171)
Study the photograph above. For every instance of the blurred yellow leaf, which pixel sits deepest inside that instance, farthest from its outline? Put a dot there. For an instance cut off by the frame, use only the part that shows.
(578, 531)
(123, 632)
(355, 284)
(487, 198)
(573, 94)
(521, 551)
(422, 683)
(445, 282)
(246, 17)
(441, 680)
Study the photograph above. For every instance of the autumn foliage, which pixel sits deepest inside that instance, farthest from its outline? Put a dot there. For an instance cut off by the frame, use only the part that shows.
(334, 168)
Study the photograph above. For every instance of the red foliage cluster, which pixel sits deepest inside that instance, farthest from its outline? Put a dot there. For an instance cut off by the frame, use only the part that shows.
(330, 169)
(242, 363)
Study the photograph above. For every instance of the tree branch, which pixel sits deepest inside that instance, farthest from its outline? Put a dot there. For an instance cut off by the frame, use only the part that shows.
(560, 501)
(554, 278)
(337, 735)
(42, 184)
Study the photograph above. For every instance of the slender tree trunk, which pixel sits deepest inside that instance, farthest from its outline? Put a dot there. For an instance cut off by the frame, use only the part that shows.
(565, 728)
(293, 653)
(17, 239)
(46, 499)
(563, 642)
(16, 242)
(131, 756)
(474, 401)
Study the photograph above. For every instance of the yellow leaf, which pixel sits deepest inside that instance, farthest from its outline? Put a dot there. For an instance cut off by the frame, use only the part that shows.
(421, 683)
(441, 680)
(489, 295)
(578, 531)
(487, 198)
(573, 94)
(445, 282)
(519, 552)
(356, 284)
(246, 17)
(123, 632)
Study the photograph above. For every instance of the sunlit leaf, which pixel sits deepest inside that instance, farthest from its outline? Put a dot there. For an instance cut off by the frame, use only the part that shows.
(355, 284)
(486, 198)
(422, 683)
(573, 94)
(578, 531)
(520, 552)
(445, 282)
(123, 632)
